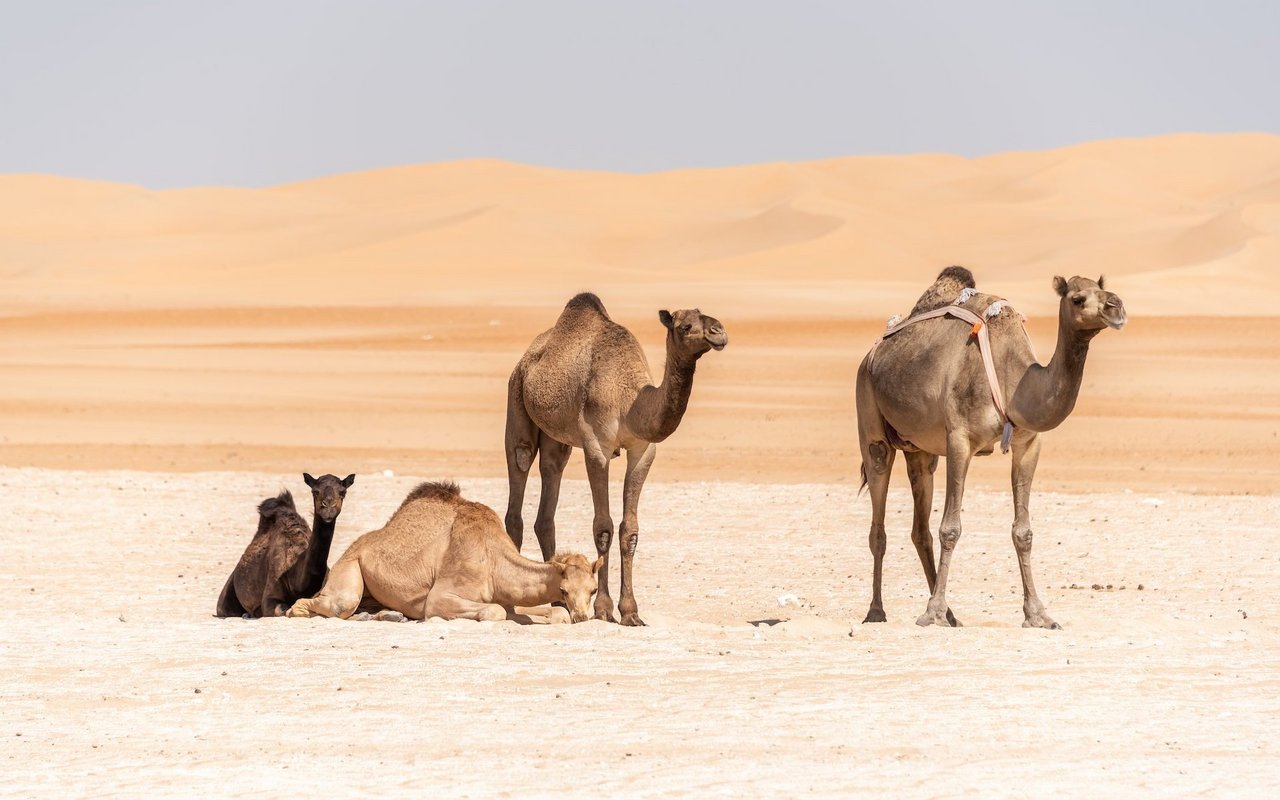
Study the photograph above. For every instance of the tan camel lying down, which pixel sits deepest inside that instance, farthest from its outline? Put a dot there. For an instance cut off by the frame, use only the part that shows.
(442, 556)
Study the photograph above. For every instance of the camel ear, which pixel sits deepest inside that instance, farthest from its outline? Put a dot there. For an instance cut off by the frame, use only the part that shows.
(1102, 281)
(306, 476)
(347, 481)
(595, 568)
(1060, 285)
(664, 316)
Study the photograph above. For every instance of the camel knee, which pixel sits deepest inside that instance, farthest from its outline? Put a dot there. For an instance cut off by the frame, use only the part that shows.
(1022, 539)
(491, 613)
(545, 528)
(879, 452)
(878, 541)
(921, 537)
(603, 534)
(949, 535)
(627, 542)
(515, 527)
(524, 457)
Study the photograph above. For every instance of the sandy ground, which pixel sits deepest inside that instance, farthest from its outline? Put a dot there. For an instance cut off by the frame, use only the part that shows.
(168, 359)
(118, 682)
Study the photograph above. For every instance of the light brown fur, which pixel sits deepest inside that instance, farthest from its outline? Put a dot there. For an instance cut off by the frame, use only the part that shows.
(442, 556)
(585, 383)
(926, 393)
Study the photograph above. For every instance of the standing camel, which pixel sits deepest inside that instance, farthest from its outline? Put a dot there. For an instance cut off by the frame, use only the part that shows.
(585, 383)
(924, 390)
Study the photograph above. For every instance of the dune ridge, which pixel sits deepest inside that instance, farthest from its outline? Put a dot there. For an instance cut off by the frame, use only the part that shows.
(1189, 223)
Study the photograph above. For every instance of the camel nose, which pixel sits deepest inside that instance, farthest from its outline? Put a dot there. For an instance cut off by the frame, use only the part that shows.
(1114, 313)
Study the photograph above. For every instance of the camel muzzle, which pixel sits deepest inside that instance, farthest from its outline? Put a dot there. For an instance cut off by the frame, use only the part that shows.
(1114, 315)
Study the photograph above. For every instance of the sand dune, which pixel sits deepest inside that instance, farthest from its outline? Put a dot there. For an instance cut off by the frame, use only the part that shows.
(511, 234)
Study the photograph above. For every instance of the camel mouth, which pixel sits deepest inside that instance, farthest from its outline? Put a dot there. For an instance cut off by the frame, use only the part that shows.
(1116, 322)
(718, 342)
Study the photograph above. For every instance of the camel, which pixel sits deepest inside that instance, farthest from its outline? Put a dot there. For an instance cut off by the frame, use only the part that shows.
(286, 559)
(586, 383)
(442, 556)
(924, 390)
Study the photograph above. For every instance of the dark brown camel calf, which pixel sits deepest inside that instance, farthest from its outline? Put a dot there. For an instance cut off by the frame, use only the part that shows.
(286, 559)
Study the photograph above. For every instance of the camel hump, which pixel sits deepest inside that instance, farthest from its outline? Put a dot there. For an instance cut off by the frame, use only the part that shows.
(272, 506)
(586, 301)
(435, 490)
(944, 289)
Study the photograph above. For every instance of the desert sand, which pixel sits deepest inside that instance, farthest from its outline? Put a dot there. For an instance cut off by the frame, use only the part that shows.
(168, 359)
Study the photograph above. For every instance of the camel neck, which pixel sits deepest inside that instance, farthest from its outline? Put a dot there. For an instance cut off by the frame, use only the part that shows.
(1047, 394)
(518, 581)
(657, 410)
(318, 557)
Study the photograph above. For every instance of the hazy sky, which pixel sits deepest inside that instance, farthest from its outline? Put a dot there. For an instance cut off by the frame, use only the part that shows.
(177, 93)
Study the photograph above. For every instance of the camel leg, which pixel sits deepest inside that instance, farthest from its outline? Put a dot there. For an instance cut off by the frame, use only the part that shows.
(877, 466)
(880, 458)
(340, 596)
(442, 602)
(552, 458)
(228, 602)
(1026, 454)
(920, 469)
(602, 525)
(959, 454)
(521, 443)
(639, 459)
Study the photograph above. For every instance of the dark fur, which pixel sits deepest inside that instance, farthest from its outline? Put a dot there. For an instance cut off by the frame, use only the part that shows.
(286, 558)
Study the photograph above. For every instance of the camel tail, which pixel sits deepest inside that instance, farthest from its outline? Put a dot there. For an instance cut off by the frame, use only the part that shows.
(268, 509)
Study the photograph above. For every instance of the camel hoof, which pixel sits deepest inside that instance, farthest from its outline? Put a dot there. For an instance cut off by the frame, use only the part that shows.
(952, 621)
(1045, 623)
(387, 615)
(926, 619)
(363, 616)
(875, 615)
(632, 620)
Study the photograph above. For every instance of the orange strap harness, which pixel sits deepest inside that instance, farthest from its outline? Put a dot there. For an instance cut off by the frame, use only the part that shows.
(984, 346)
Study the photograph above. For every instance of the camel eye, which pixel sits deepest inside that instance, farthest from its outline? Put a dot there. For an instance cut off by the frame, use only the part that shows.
(1078, 300)
(685, 328)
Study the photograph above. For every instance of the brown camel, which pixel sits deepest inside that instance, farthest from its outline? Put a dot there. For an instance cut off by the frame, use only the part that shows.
(924, 391)
(286, 559)
(442, 556)
(586, 383)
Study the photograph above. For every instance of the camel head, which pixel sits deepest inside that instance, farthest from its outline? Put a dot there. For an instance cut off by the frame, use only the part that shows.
(577, 583)
(327, 491)
(1087, 307)
(693, 332)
